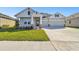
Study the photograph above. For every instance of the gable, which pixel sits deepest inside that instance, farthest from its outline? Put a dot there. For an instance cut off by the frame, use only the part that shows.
(57, 15)
(26, 13)
(23, 13)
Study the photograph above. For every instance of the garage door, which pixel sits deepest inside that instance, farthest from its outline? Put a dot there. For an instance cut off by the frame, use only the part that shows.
(56, 23)
(44, 23)
(53, 23)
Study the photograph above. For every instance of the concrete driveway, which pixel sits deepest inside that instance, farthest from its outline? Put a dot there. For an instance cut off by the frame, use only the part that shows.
(64, 39)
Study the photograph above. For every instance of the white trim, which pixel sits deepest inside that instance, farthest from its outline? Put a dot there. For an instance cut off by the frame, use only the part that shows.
(32, 20)
(41, 19)
(19, 19)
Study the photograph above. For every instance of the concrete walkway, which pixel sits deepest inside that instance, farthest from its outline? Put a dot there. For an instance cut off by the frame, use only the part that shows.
(26, 46)
(65, 39)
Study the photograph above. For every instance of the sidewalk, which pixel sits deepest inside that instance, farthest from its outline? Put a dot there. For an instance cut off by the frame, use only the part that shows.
(26, 46)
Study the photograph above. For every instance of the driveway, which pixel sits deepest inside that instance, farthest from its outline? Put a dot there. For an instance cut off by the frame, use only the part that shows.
(64, 39)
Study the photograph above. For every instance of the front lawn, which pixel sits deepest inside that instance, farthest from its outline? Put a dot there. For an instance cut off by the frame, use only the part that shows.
(23, 35)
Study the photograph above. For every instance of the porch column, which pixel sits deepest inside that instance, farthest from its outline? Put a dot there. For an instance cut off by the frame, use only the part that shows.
(18, 22)
(40, 19)
(32, 20)
(19, 19)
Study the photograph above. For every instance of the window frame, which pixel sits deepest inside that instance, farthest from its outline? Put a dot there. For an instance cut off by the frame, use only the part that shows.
(56, 15)
(29, 12)
(69, 21)
(29, 22)
(25, 22)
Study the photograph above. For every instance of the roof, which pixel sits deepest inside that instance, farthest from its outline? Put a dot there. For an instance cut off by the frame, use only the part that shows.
(21, 12)
(26, 9)
(33, 11)
(44, 14)
(6, 16)
(76, 15)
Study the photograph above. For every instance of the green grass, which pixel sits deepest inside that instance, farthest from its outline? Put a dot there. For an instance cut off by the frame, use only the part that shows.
(23, 35)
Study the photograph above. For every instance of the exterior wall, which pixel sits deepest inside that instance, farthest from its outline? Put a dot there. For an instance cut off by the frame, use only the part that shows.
(74, 22)
(8, 22)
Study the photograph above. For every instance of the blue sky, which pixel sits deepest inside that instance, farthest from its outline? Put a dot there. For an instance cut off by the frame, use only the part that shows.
(11, 11)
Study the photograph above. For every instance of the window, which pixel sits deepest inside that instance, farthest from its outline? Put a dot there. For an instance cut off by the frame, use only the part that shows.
(44, 16)
(25, 22)
(56, 15)
(69, 21)
(36, 12)
(28, 8)
(28, 12)
(29, 22)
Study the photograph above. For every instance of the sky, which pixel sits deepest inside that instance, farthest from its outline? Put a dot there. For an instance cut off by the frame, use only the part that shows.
(11, 11)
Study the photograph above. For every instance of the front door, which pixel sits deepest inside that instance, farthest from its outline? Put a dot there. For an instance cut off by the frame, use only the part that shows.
(37, 22)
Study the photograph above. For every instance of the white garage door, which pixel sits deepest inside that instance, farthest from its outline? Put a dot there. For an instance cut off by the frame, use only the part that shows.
(53, 23)
(44, 23)
(56, 23)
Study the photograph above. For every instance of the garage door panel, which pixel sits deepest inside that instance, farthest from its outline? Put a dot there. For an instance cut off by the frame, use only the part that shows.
(56, 23)
(44, 23)
(53, 23)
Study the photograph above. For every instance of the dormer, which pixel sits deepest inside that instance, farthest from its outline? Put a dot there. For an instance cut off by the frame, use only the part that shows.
(58, 15)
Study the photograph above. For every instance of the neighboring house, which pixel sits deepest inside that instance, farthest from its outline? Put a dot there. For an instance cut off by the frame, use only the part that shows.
(73, 20)
(30, 18)
(6, 21)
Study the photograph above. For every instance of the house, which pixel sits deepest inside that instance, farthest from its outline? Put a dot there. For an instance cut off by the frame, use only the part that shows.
(31, 18)
(6, 21)
(73, 20)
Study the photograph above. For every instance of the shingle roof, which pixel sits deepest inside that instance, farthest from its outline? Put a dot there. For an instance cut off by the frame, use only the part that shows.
(26, 9)
(73, 16)
(6, 16)
(44, 14)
